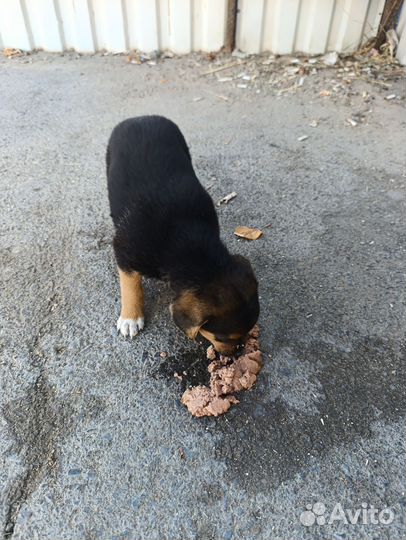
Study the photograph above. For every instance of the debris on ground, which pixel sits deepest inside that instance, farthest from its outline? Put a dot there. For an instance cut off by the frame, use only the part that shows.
(392, 42)
(238, 54)
(302, 138)
(138, 57)
(352, 122)
(221, 68)
(331, 75)
(227, 376)
(227, 198)
(248, 233)
(11, 53)
(219, 96)
(330, 59)
(134, 58)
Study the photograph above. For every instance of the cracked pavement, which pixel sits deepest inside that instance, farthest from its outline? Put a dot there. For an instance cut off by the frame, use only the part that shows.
(94, 442)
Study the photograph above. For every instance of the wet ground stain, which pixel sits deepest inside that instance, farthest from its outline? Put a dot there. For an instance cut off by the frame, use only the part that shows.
(188, 368)
(360, 386)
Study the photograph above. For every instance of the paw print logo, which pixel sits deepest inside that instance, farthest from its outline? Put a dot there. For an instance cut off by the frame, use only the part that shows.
(313, 514)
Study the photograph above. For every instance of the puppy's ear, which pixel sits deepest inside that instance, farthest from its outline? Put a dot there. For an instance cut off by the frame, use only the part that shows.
(188, 313)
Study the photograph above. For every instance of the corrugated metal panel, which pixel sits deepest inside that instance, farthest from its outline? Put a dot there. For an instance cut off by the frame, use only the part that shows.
(209, 23)
(77, 25)
(13, 26)
(348, 24)
(142, 24)
(109, 25)
(114, 25)
(279, 26)
(308, 26)
(176, 20)
(44, 25)
(280, 23)
(315, 20)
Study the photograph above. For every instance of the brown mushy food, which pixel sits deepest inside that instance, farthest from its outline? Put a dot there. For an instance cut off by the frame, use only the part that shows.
(227, 375)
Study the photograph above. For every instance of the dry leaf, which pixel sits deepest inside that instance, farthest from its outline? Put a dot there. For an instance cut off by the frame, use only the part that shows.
(9, 52)
(248, 233)
(325, 93)
(133, 59)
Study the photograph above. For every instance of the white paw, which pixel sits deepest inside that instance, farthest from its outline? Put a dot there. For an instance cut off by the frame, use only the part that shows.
(130, 327)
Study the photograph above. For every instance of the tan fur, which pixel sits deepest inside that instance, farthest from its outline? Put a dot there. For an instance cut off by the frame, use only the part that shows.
(223, 348)
(198, 312)
(192, 332)
(132, 295)
(188, 307)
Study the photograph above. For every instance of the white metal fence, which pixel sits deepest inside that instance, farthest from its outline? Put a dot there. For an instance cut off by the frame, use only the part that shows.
(114, 25)
(310, 26)
(279, 26)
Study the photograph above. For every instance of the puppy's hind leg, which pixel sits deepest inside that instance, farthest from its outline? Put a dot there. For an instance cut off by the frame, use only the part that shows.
(131, 319)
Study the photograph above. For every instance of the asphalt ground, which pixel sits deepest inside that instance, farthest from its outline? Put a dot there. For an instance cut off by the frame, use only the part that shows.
(94, 441)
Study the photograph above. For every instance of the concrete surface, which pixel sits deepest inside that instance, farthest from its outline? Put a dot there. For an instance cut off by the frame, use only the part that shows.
(94, 441)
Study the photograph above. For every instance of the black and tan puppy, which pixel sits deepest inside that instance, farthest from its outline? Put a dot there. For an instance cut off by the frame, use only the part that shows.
(167, 228)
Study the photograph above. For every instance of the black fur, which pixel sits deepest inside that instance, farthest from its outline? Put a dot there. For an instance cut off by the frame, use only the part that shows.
(166, 224)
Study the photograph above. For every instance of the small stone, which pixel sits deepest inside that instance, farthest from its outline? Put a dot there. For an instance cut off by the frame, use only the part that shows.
(330, 59)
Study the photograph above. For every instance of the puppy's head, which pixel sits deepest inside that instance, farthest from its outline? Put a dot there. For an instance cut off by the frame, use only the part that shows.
(224, 310)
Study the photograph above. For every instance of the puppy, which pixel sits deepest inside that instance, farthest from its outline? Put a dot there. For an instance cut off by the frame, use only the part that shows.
(166, 227)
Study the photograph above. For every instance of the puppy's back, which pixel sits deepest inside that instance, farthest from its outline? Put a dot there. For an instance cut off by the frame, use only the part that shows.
(153, 192)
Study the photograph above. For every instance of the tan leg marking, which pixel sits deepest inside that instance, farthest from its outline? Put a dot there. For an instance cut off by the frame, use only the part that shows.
(131, 319)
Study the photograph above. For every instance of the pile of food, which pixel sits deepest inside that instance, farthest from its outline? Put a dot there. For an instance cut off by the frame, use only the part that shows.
(227, 376)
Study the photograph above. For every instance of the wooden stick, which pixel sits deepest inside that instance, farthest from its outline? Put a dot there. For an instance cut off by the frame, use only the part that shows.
(390, 11)
(231, 25)
(233, 64)
(224, 98)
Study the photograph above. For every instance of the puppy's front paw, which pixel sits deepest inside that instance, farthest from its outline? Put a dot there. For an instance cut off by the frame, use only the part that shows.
(130, 327)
